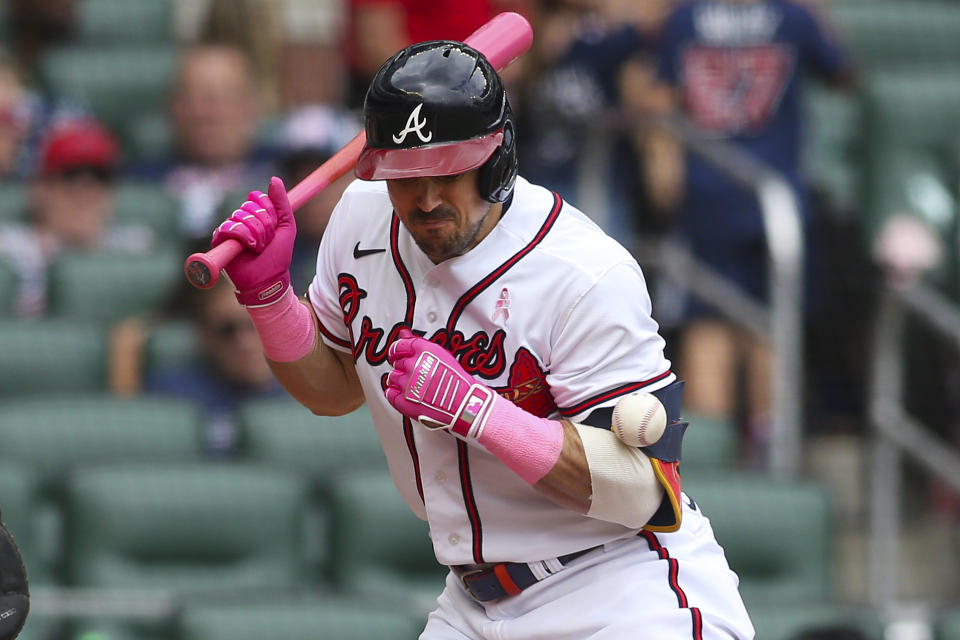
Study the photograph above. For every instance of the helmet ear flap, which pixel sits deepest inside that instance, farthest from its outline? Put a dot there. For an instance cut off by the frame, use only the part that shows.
(498, 175)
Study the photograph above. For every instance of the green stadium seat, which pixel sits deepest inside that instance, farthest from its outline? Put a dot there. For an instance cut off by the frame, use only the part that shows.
(285, 433)
(379, 549)
(330, 618)
(148, 204)
(887, 34)
(947, 625)
(28, 518)
(786, 620)
(117, 83)
(171, 344)
(9, 284)
(125, 21)
(776, 533)
(19, 496)
(150, 135)
(831, 145)
(106, 286)
(191, 529)
(119, 629)
(916, 108)
(51, 356)
(40, 628)
(54, 435)
(709, 443)
(13, 195)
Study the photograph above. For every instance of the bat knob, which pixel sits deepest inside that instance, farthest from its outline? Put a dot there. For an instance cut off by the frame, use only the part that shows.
(201, 271)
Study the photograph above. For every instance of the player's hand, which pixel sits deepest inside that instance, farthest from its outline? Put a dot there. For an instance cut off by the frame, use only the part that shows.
(429, 385)
(265, 225)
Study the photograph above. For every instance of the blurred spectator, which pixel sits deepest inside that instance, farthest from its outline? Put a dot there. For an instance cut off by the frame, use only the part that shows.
(25, 117)
(14, 120)
(253, 26)
(906, 247)
(70, 205)
(737, 68)
(309, 137)
(229, 367)
(910, 251)
(36, 25)
(216, 115)
(312, 67)
(380, 28)
(569, 84)
(295, 44)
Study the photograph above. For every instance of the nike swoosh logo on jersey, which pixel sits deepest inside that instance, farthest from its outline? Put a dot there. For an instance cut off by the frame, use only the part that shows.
(359, 253)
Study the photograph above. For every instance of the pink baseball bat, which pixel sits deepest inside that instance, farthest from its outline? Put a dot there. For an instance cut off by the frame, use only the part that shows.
(502, 40)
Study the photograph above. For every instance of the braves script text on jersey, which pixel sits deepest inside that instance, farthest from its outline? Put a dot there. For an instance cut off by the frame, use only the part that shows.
(555, 316)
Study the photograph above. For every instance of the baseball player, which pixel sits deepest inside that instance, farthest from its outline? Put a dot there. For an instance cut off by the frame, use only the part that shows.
(491, 327)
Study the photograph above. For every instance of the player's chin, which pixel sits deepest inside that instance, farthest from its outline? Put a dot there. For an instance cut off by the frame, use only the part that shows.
(437, 246)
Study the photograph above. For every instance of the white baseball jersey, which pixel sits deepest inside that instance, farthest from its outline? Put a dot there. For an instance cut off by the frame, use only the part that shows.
(555, 316)
(546, 309)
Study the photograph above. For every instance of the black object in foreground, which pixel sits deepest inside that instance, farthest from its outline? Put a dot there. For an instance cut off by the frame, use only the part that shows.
(14, 593)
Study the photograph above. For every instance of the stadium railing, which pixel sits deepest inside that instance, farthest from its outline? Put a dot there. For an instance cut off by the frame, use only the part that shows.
(898, 434)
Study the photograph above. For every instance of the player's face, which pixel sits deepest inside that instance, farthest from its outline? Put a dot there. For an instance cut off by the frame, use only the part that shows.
(445, 214)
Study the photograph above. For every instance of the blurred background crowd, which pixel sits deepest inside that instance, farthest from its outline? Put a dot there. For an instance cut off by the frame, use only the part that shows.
(163, 485)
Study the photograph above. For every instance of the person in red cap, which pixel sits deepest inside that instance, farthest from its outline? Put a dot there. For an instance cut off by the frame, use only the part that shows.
(71, 201)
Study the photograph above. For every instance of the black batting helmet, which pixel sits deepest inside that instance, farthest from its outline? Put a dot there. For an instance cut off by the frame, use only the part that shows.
(439, 108)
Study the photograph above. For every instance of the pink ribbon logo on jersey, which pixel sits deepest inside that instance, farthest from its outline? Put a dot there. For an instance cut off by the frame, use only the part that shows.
(503, 305)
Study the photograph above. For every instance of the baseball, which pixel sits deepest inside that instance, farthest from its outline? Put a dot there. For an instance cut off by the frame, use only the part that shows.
(639, 419)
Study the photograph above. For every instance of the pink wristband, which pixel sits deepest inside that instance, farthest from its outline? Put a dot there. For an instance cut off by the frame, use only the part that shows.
(286, 328)
(528, 445)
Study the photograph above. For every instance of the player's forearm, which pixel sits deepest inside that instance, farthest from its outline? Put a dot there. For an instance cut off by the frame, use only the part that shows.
(568, 482)
(599, 476)
(321, 382)
(582, 468)
(311, 372)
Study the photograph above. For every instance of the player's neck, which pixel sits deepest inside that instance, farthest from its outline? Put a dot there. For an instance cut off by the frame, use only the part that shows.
(489, 222)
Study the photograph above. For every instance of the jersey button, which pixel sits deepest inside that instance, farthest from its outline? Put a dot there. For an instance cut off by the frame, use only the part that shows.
(440, 477)
(454, 539)
(432, 316)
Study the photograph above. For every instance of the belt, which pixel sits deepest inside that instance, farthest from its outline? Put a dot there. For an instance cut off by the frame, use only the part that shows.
(492, 582)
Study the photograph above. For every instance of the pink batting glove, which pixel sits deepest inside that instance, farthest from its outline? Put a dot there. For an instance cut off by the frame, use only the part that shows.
(429, 385)
(265, 225)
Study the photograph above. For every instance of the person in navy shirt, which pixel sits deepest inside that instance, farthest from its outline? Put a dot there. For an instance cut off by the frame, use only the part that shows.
(568, 83)
(227, 369)
(736, 69)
